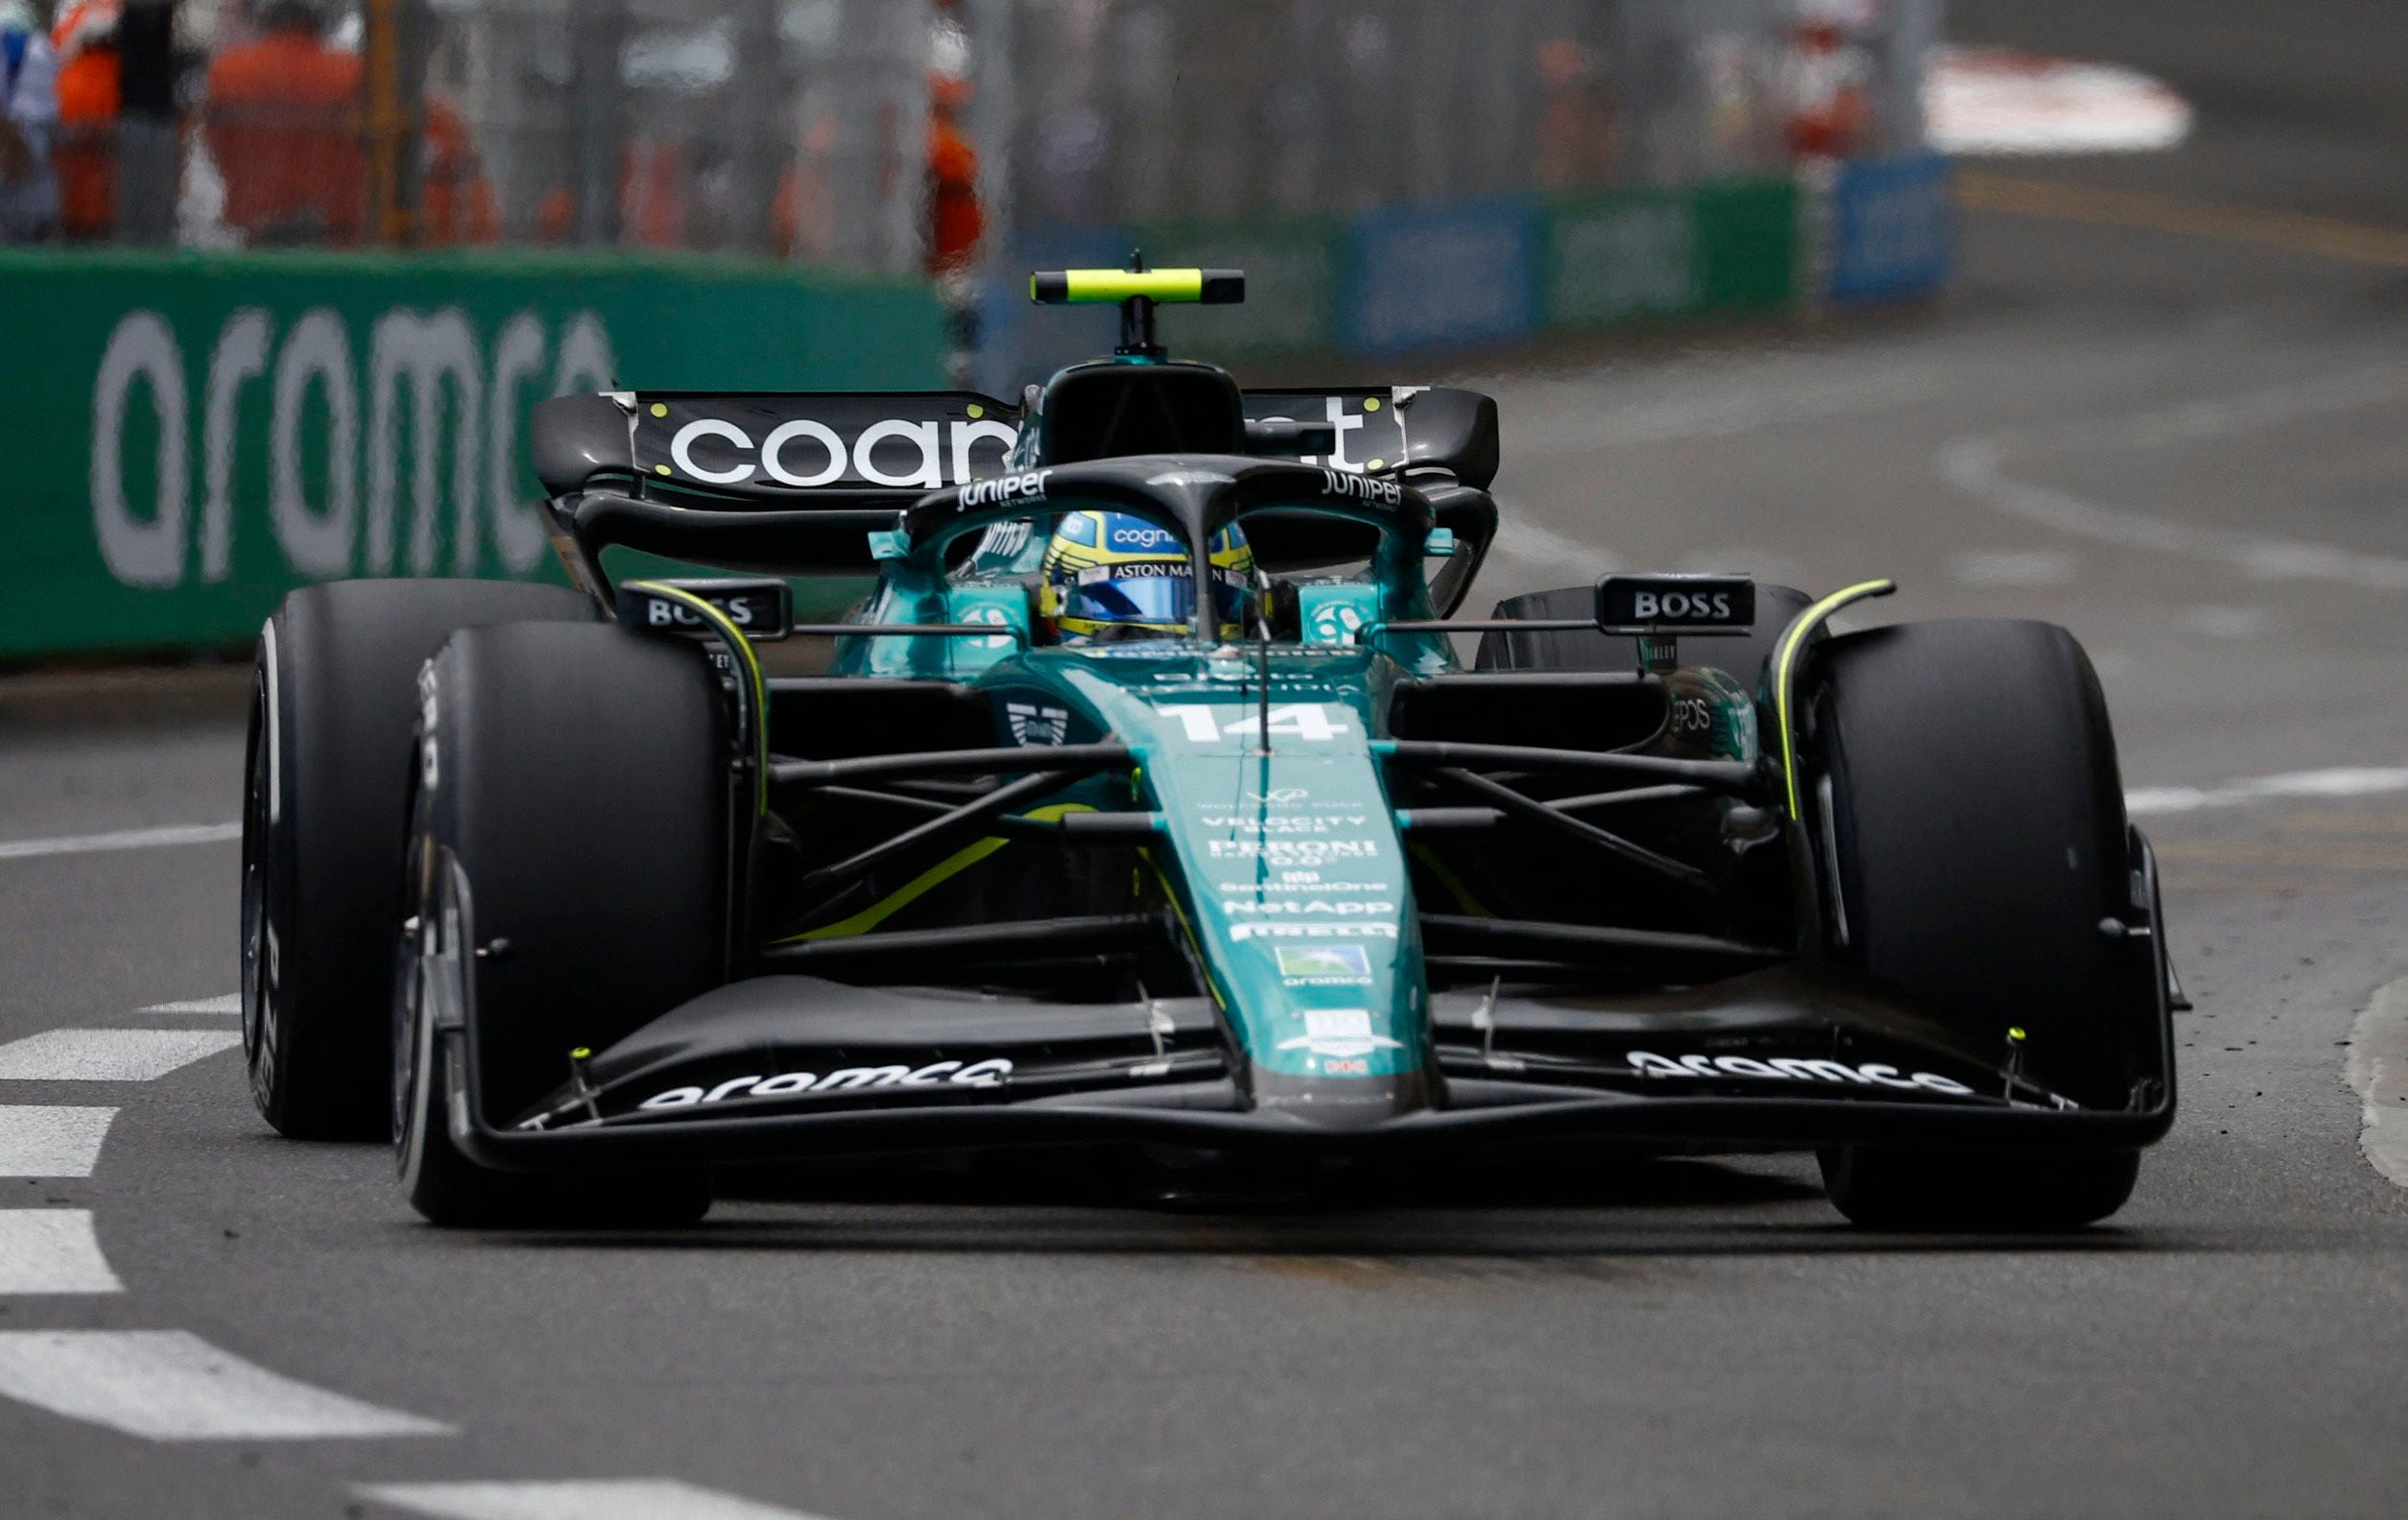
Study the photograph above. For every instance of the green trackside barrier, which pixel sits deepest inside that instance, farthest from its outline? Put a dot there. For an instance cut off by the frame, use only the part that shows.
(1710, 248)
(1292, 283)
(191, 436)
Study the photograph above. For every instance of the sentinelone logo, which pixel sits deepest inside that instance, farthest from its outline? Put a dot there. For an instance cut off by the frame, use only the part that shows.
(464, 398)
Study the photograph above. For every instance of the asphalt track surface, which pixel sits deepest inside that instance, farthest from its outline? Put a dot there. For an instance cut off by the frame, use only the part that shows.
(2190, 447)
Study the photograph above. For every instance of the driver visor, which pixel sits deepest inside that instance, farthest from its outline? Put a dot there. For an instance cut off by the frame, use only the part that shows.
(1160, 592)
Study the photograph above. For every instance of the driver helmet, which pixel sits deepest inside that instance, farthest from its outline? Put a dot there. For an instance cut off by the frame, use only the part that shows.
(1111, 575)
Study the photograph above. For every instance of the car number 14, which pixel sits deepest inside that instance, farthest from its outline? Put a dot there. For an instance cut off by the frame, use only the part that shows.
(1312, 721)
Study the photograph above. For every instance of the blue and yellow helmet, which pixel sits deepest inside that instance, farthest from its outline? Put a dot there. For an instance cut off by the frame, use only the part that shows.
(1112, 576)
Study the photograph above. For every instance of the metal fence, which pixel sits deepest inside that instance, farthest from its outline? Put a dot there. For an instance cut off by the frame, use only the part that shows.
(803, 129)
(787, 128)
(1107, 111)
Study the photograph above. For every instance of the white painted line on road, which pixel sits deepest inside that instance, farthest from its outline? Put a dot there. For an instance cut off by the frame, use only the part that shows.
(53, 1251)
(2342, 782)
(1527, 541)
(1577, 426)
(2378, 1073)
(231, 1002)
(1977, 466)
(1761, 564)
(51, 1140)
(2014, 567)
(109, 1054)
(122, 840)
(2225, 622)
(170, 1385)
(586, 1499)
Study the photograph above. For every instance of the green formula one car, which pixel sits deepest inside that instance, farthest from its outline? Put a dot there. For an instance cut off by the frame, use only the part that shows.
(1148, 805)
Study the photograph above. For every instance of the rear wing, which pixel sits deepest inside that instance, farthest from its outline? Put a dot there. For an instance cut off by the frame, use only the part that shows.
(792, 448)
(815, 469)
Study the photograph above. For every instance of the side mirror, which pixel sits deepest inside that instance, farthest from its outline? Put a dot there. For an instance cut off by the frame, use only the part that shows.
(1676, 604)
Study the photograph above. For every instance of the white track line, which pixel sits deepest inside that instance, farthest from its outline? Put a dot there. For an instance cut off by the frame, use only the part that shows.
(588, 1499)
(229, 1003)
(51, 1140)
(122, 840)
(1977, 466)
(53, 1251)
(1533, 544)
(109, 1054)
(169, 1385)
(2342, 782)
(2378, 1071)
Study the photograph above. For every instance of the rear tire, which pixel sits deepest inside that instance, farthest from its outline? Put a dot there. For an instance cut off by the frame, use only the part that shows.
(334, 700)
(577, 780)
(1971, 817)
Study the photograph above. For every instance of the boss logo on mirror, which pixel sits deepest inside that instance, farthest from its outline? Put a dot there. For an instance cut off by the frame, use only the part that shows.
(1630, 602)
(758, 610)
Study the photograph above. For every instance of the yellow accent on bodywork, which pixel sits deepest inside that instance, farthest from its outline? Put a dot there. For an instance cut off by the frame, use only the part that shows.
(1171, 896)
(927, 881)
(1786, 655)
(1453, 883)
(757, 687)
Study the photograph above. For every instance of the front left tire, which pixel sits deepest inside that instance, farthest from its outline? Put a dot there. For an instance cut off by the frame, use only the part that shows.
(569, 870)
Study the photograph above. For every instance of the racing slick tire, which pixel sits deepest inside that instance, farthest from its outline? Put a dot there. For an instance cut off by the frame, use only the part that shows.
(569, 821)
(1587, 649)
(1971, 821)
(334, 694)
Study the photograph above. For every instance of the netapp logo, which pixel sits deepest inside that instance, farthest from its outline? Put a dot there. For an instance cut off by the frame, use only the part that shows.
(1790, 1068)
(1340, 910)
(1005, 488)
(992, 1072)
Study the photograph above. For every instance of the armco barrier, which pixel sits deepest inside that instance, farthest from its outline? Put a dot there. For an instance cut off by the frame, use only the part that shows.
(1891, 229)
(189, 437)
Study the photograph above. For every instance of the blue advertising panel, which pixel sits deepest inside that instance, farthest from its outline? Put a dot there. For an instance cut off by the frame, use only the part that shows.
(1465, 273)
(1892, 233)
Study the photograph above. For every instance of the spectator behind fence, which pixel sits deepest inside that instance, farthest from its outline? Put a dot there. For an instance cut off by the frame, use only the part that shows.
(954, 222)
(455, 199)
(29, 111)
(90, 81)
(282, 122)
